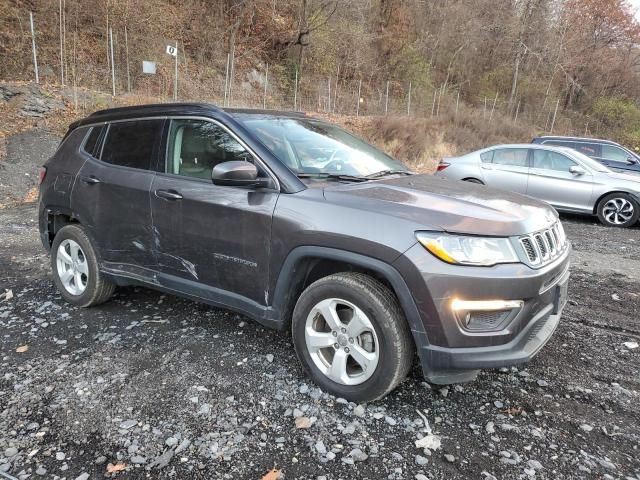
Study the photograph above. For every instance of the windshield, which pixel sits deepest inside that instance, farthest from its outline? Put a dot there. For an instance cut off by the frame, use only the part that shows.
(588, 161)
(312, 147)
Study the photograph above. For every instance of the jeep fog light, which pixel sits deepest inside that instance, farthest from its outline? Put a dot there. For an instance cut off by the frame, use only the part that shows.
(485, 315)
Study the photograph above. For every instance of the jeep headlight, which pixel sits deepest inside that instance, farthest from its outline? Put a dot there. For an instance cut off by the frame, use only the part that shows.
(467, 249)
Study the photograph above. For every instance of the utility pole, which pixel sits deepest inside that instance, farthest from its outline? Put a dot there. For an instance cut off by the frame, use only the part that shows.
(33, 46)
(113, 66)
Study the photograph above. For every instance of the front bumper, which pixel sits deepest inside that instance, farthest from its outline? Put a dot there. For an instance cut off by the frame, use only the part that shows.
(451, 354)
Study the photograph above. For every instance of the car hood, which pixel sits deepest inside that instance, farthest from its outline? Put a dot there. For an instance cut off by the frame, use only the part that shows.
(449, 205)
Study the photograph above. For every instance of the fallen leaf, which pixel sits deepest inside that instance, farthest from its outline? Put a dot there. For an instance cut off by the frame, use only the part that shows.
(513, 411)
(118, 467)
(303, 422)
(631, 345)
(22, 348)
(431, 442)
(273, 474)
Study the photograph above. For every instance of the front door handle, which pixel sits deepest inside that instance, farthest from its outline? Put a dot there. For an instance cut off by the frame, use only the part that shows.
(486, 166)
(91, 180)
(168, 194)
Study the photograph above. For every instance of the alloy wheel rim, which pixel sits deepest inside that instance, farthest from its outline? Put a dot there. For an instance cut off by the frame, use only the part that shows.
(342, 342)
(72, 266)
(618, 211)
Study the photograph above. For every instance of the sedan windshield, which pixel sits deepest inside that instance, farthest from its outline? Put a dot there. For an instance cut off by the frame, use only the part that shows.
(314, 148)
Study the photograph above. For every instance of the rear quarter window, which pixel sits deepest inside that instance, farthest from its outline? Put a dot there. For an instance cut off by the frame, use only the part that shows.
(132, 144)
(92, 143)
(487, 157)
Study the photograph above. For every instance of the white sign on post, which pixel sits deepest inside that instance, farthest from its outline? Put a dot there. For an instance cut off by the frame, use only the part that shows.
(148, 67)
(172, 50)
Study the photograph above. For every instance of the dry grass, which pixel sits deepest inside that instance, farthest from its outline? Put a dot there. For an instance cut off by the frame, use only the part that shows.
(422, 142)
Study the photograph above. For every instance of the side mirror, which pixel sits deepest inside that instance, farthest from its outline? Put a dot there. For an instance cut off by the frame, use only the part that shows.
(631, 161)
(237, 174)
(576, 170)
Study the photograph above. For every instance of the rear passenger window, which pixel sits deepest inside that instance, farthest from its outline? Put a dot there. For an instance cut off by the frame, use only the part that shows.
(196, 146)
(132, 144)
(91, 145)
(516, 157)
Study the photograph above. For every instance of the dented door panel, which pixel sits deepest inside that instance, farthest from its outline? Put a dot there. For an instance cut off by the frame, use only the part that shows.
(215, 235)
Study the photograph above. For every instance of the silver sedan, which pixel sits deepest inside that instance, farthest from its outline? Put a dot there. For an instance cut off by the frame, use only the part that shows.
(565, 178)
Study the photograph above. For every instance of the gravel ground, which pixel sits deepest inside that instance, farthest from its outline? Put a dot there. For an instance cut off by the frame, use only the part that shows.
(164, 387)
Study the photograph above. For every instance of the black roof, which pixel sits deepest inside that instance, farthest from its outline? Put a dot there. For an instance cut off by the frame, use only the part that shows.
(182, 108)
(575, 139)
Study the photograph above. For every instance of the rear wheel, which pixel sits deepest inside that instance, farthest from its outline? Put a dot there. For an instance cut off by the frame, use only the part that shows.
(75, 268)
(618, 210)
(351, 336)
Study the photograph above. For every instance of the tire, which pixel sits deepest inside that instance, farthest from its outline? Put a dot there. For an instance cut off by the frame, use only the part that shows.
(473, 180)
(87, 287)
(618, 210)
(352, 296)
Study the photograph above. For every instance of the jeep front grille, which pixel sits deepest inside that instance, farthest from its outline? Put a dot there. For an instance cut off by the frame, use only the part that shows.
(545, 246)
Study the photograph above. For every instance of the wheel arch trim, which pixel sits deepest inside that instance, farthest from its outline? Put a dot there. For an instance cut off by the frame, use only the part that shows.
(291, 272)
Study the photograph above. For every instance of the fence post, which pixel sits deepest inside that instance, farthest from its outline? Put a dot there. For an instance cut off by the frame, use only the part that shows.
(515, 120)
(493, 107)
(457, 102)
(553, 122)
(433, 105)
(126, 47)
(266, 82)
(113, 66)
(295, 92)
(386, 101)
(329, 103)
(409, 101)
(231, 68)
(175, 84)
(61, 49)
(358, 104)
(33, 46)
(226, 81)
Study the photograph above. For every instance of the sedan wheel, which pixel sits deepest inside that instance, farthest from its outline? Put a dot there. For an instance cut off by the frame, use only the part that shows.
(618, 210)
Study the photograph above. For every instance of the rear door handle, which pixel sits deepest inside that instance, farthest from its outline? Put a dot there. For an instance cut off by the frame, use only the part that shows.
(91, 180)
(168, 194)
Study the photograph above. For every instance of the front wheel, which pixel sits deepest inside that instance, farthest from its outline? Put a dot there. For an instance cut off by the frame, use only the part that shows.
(351, 336)
(618, 210)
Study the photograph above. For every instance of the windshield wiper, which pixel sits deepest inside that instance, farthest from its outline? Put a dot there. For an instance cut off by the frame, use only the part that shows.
(384, 173)
(348, 178)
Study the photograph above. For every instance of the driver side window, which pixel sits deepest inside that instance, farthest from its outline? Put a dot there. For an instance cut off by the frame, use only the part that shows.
(548, 160)
(196, 146)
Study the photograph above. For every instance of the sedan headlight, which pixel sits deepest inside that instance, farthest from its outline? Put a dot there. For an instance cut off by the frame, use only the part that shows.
(468, 250)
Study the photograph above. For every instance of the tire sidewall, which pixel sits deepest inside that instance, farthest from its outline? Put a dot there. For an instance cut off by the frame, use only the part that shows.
(375, 385)
(627, 197)
(77, 234)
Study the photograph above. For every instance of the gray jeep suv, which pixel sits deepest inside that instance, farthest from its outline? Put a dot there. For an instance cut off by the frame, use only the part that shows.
(298, 224)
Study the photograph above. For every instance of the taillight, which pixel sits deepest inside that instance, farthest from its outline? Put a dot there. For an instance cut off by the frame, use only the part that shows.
(442, 165)
(41, 175)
